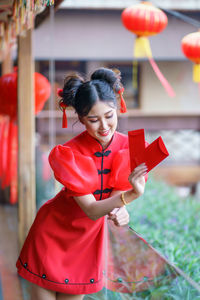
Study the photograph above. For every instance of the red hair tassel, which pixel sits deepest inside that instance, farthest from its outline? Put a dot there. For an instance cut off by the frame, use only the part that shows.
(123, 108)
(60, 92)
(64, 118)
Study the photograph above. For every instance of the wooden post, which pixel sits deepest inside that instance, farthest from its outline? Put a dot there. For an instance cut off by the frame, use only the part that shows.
(26, 136)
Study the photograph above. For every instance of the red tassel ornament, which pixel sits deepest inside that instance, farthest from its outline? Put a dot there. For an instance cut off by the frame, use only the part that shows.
(123, 108)
(60, 92)
(64, 118)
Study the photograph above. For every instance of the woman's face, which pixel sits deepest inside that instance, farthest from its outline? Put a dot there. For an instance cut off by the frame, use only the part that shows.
(101, 122)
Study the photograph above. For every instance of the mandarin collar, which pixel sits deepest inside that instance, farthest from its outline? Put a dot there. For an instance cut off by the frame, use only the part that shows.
(94, 144)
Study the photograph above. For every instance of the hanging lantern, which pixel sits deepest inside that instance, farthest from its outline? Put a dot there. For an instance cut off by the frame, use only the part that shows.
(191, 48)
(146, 20)
(8, 128)
(8, 93)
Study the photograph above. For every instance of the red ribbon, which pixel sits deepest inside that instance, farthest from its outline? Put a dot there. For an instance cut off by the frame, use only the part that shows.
(123, 108)
(64, 118)
(60, 92)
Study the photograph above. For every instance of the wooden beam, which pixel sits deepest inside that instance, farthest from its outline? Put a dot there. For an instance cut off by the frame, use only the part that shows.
(26, 136)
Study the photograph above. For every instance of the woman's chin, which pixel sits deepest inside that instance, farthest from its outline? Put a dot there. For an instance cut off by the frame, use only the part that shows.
(104, 140)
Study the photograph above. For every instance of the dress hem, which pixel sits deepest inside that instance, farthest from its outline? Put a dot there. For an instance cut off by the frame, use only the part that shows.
(73, 288)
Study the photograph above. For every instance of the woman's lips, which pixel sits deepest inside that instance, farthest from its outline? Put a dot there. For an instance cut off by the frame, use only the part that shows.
(104, 133)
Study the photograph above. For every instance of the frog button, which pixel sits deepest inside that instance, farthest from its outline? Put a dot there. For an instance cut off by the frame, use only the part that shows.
(66, 280)
(25, 265)
(44, 276)
(92, 280)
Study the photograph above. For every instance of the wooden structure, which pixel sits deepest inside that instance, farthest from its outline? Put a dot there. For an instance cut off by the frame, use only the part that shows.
(16, 28)
(26, 141)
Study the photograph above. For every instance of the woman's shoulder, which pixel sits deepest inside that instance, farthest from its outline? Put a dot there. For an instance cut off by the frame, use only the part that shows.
(69, 146)
(75, 141)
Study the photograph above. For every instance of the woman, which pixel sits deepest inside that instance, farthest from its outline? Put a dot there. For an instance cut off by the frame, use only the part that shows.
(63, 253)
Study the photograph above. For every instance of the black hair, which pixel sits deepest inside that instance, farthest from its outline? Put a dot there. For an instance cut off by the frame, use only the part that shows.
(82, 95)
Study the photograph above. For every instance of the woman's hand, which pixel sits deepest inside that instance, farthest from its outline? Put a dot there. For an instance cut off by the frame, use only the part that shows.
(137, 180)
(119, 216)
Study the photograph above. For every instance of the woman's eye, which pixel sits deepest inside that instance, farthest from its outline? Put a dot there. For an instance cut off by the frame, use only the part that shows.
(93, 121)
(110, 116)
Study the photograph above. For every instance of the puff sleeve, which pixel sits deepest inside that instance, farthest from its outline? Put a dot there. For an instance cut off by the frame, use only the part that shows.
(75, 171)
(120, 171)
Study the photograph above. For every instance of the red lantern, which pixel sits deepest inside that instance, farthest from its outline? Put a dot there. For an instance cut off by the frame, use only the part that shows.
(191, 48)
(8, 130)
(8, 93)
(145, 20)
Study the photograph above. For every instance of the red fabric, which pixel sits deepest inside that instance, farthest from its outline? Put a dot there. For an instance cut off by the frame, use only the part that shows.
(121, 170)
(78, 172)
(63, 243)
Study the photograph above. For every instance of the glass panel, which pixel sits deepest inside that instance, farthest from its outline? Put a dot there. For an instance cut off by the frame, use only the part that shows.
(135, 270)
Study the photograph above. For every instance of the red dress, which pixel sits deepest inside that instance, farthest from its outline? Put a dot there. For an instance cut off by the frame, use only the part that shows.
(64, 250)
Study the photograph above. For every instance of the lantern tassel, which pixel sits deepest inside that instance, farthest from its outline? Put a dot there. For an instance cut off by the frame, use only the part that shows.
(196, 72)
(142, 47)
(162, 79)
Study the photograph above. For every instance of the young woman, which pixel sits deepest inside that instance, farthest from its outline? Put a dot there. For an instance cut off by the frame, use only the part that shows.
(63, 255)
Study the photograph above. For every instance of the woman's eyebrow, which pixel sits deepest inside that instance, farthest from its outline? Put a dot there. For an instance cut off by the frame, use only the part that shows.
(97, 116)
(108, 112)
(92, 117)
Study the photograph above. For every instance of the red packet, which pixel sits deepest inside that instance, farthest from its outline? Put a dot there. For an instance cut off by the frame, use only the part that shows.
(152, 155)
(136, 145)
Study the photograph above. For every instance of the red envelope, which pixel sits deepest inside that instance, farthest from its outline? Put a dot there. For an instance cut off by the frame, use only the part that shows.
(136, 145)
(151, 155)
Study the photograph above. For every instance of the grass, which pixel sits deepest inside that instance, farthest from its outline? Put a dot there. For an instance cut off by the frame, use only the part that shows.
(170, 224)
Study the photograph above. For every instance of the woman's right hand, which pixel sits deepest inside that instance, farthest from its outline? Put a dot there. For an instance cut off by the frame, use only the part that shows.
(137, 180)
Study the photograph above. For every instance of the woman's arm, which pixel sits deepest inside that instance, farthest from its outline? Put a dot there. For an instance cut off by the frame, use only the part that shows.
(96, 209)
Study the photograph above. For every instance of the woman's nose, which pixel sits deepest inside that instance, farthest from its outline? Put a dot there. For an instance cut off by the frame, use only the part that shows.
(103, 124)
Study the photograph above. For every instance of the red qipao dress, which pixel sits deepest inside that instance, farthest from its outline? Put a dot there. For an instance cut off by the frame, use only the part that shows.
(64, 250)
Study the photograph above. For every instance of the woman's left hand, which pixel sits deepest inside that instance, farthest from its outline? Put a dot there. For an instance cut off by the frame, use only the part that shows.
(119, 216)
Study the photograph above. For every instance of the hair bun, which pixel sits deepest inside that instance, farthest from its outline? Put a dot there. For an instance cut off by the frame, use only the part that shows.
(112, 77)
(71, 85)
